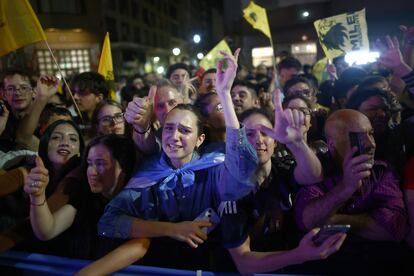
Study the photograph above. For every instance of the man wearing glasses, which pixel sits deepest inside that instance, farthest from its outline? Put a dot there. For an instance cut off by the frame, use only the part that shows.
(18, 94)
(25, 105)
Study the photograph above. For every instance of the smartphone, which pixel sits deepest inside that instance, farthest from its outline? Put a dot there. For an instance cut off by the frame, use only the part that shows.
(210, 215)
(355, 140)
(329, 230)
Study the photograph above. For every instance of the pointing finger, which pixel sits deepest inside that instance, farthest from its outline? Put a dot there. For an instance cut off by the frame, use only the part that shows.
(277, 101)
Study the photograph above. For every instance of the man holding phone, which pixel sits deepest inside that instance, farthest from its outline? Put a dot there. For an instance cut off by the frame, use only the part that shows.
(356, 190)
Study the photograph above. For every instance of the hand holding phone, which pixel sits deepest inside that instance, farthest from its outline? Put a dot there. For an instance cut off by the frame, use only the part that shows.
(355, 141)
(210, 215)
(328, 230)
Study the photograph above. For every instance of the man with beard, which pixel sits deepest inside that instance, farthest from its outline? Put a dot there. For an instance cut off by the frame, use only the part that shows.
(376, 105)
(357, 190)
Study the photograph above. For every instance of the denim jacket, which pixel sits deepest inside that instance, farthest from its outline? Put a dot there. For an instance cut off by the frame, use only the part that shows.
(230, 180)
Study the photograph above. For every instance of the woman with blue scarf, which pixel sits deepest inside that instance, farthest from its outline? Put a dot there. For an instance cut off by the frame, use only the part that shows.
(173, 188)
(178, 185)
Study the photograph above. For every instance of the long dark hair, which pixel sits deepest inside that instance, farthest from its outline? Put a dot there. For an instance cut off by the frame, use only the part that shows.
(43, 153)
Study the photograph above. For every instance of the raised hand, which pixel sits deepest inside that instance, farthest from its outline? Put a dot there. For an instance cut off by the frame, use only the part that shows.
(46, 86)
(289, 123)
(139, 112)
(224, 79)
(191, 232)
(4, 115)
(36, 181)
(408, 34)
(391, 56)
(331, 69)
(309, 251)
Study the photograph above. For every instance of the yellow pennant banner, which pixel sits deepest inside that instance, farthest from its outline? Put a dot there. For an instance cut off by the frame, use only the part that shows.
(343, 33)
(105, 67)
(19, 26)
(257, 17)
(211, 59)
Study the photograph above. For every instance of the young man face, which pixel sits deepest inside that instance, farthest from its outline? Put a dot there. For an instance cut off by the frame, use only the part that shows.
(243, 98)
(18, 92)
(208, 83)
(179, 77)
(86, 100)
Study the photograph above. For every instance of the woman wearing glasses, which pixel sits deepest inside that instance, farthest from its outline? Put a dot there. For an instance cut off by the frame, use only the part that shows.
(108, 118)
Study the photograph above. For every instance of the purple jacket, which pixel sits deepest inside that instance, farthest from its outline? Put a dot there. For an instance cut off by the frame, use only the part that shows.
(380, 196)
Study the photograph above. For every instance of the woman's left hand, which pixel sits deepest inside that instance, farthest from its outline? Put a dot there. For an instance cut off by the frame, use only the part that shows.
(289, 123)
(36, 181)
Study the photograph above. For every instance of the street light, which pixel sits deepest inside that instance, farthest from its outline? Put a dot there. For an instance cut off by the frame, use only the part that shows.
(176, 51)
(160, 70)
(196, 38)
(200, 56)
(305, 14)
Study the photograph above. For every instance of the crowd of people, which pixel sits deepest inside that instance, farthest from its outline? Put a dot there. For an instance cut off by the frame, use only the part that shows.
(229, 169)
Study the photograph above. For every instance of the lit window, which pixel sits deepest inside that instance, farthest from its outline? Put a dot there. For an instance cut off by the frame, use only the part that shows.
(70, 61)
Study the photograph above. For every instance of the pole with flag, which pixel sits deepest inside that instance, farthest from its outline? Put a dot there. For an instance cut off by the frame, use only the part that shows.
(19, 27)
(106, 68)
(257, 17)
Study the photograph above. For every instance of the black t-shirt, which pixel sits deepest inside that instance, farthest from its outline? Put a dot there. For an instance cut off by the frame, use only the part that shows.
(8, 136)
(266, 214)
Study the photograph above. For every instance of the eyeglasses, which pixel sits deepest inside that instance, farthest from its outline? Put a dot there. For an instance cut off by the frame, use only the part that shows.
(304, 92)
(109, 120)
(23, 89)
(82, 93)
(305, 110)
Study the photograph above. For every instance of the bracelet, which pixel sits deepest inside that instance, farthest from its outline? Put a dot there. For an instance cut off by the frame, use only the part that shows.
(40, 204)
(142, 132)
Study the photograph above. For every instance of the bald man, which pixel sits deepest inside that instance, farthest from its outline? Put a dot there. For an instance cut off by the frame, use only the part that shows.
(357, 189)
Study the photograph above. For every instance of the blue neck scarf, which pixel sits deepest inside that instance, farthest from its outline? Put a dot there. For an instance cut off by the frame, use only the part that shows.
(158, 168)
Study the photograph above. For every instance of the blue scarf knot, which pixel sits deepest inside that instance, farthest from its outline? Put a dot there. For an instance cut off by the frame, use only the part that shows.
(158, 168)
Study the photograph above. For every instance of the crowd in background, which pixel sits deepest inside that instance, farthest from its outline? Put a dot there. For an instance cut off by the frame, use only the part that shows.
(228, 169)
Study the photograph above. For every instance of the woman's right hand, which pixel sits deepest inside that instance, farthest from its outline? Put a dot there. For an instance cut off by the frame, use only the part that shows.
(308, 251)
(36, 181)
(139, 111)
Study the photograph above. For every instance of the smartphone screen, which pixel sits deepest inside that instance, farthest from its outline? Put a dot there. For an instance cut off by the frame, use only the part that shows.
(356, 141)
(329, 230)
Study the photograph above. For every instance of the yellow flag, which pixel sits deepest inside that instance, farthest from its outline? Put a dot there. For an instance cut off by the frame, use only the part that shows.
(18, 25)
(343, 33)
(106, 68)
(211, 59)
(319, 70)
(257, 17)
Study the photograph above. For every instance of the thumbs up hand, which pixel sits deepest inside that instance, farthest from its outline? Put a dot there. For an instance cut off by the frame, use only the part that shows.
(139, 111)
(36, 181)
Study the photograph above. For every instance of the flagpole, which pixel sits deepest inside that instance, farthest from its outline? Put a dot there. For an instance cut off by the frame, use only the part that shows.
(64, 80)
(276, 83)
